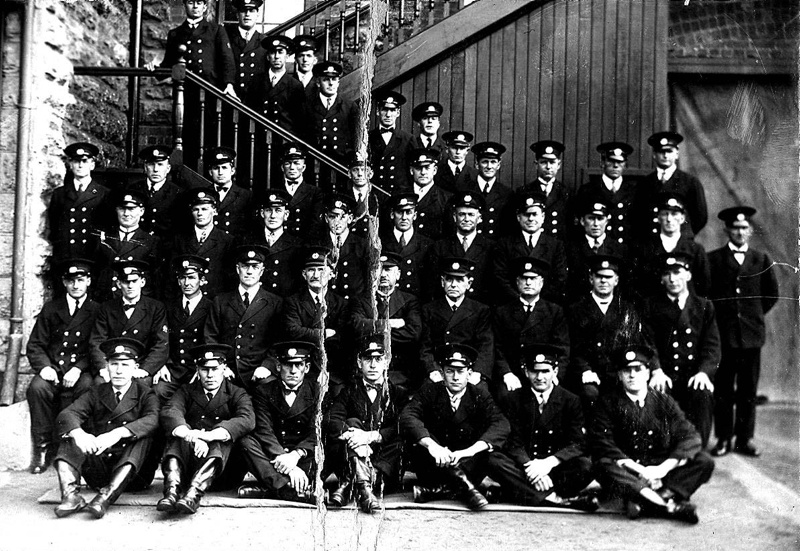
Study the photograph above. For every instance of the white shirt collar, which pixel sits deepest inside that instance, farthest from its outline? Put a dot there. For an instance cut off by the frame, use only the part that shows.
(251, 293)
(278, 76)
(548, 186)
(194, 22)
(454, 166)
(600, 240)
(483, 183)
(526, 304)
(343, 237)
(743, 249)
(305, 78)
(123, 391)
(543, 395)
(638, 400)
(324, 99)
(532, 237)
(666, 173)
(408, 233)
(193, 302)
(603, 304)
(669, 242)
(457, 303)
(612, 185)
(422, 191)
(682, 298)
(470, 237)
(247, 34)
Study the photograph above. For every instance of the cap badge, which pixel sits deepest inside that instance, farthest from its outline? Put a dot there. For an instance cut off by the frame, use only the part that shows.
(373, 346)
(292, 352)
(384, 258)
(276, 42)
(119, 349)
(72, 269)
(457, 356)
(81, 152)
(540, 358)
(156, 153)
(468, 198)
(664, 141)
(630, 355)
(129, 271)
(251, 254)
(673, 203)
(338, 204)
(528, 266)
(671, 260)
(530, 202)
(740, 217)
(599, 206)
(220, 156)
(128, 198)
(202, 195)
(185, 264)
(605, 264)
(456, 266)
(617, 152)
(315, 256)
(208, 355)
(548, 150)
(491, 150)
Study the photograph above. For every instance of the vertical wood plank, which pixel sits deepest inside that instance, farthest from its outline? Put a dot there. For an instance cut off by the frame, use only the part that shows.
(534, 70)
(559, 70)
(407, 89)
(442, 93)
(621, 80)
(455, 120)
(492, 99)
(546, 73)
(638, 126)
(609, 70)
(468, 122)
(483, 85)
(520, 143)
(647, 74)
(660, 37)
(576, 107)
(596, 104)
(508, 122)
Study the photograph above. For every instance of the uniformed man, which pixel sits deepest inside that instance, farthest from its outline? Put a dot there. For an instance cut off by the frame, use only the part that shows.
(549, 154)
(745, 289)
(457, 318)
(619, 193)
(427, 115)
(106, 434)
(280, 451)
(77, 207)
(305, 58)
(235, 209)
(249, 55)
(203, 420)
(246, 319)
(369, 201)
(529, 240)
(432, 201)
(389, 147)
(363, 446)
(58, 352)
(452, 428)
(466, 242)
(399, 311)
(135, 316)
(305, 206)
(454, 173)
(684, 329)
(279, 97)
(164, 209)
(545, 460)
(496, 194)
(645, 450)
(668, 178)
(402, 238)
(526, 320)
(207, 240)
(283, 250)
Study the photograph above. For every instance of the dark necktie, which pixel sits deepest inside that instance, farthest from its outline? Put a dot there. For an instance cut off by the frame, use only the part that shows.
(186, 309)
(542, 403)
(371, 386)
(454, 307)
(152, 191)
(595, 246)
(126, 235)
(246, 299)
(457, 171)
(118, 396)
(530, 241)
(209, 396)
(126, 307)
(317, 304)
(486, 190)
(465, 243)
(402, 240)
(385, 130)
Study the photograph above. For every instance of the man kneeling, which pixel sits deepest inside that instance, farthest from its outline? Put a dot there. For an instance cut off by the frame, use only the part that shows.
(203, 420)
(107, 433)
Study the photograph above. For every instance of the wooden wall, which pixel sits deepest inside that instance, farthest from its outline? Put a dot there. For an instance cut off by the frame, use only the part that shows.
(578, 71)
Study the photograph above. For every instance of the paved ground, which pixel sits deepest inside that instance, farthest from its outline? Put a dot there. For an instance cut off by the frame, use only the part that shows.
(750, 504)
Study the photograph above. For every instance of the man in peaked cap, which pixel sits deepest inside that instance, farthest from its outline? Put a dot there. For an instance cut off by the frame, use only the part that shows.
(452, 428)
(668, 178)
(305, 59)
(454, 172)
(745, 289)
(107, 434)
(305, 205)
(58, 352)
(279, 97)
(544, 461)
(203, 420)
(432, 201)
(390, 148)
(369, 201)
(234, 211)
(645, 450)
(548, 155)
(427, 115)
(280, 451)
(250, 57)
(684, 329)
(163, 214)
(496, 194)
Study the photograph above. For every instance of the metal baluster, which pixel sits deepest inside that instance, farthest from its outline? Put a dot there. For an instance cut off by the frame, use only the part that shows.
(327, 35)
(269, 160)
(235, 120)
(178, 102)
(341, 34)
(417, 9)
(402, 13)
(357, 34)
(202, 130)
(252, 134)
(218, 116)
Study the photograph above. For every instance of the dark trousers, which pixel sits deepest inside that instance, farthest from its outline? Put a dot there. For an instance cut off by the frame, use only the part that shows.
(736, 385)
(569, 478)
(698, 405)
(428, 474)
(46, 400)
(98, 469)
(232, 467)
(683, 481)
(385, 458)
(259, 464)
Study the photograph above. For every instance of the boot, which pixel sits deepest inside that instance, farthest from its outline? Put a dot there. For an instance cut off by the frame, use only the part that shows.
(423, 494)
(172, 482)
(341, 495)
(201, 480)
(253, 491)
(362, 477)
(467, 490)
(70, 481)
(109, 494)
(41, 453)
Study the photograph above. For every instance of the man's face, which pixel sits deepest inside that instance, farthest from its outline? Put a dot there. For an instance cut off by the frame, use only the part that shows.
(329, 86)
(466, 219)
(274, 217)
(247, 18)
(676, 281)
(547, 169)
(121, 371)
(276, 58)
(360, 175)
(739, 232)
(222, 174)
(604, 282)
(388, 278)
(531, 220)
(129, 217)
(81, 167)
(429, 125)
(211, 376)
(338, 221)
(665, 158)
(403, 220)
(541, 376)
(423, 174)
(190, 283)
(594, 225)
(157, 171)
(529, 286)
(634, 378)
(613, 169)
(455, 286)
(488, 168)
(456, 378)
(305, 61)
(388, 115)
(249, 273)
(77, 286)
(293, 373)
(457, 153)
(317, 277)
(195, 8)
(131, 287)
(203, 214)
(670, 221)
(373, 368)
(293, 169)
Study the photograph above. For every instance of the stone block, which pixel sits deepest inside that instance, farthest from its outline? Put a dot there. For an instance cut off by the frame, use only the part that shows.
(15, 422)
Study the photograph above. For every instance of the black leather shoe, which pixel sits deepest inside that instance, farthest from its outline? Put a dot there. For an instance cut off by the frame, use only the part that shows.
(685, 512)
(189, 503)
(252, 491)
(475, 500)
(633, 510)
(40, 460)
(723, 447)
(70, 504)
(341, 495)
(367, 501)
(747, 448)
(588, 503)
(423, 494)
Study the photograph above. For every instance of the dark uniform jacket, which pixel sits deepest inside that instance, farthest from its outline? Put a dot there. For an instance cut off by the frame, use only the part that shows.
(480, 252)
(621, 207)
(147, 324)
(557, 431)
(331, 130)
(164, 208)
(72, 217)
(249, 331)
(59, 340)
(390, 161)
(282, 265)
(217, 249)
(433, 210)
(360, 225)
(547, 248)
(283, 103)
(471, 324)
(579, 254)
(515, 328)
(352, 266)
(208, 52)
(649, 269)
(648, 435)
(429, 414)
(140, 245)
(683, 184)
(448, 181)
(742, 295)
(235, 213)
(557, 208)
(280, 428)
(415, 270)
(250, 58)
(230, 409)
(437, 145)
(305, 208)
(498, 214)
(185, 332)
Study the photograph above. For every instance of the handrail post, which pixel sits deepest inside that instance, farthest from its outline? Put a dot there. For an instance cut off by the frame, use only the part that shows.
(327, 38)
(357, 33)
(341, 36)
(132, 136)
(178, 101)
